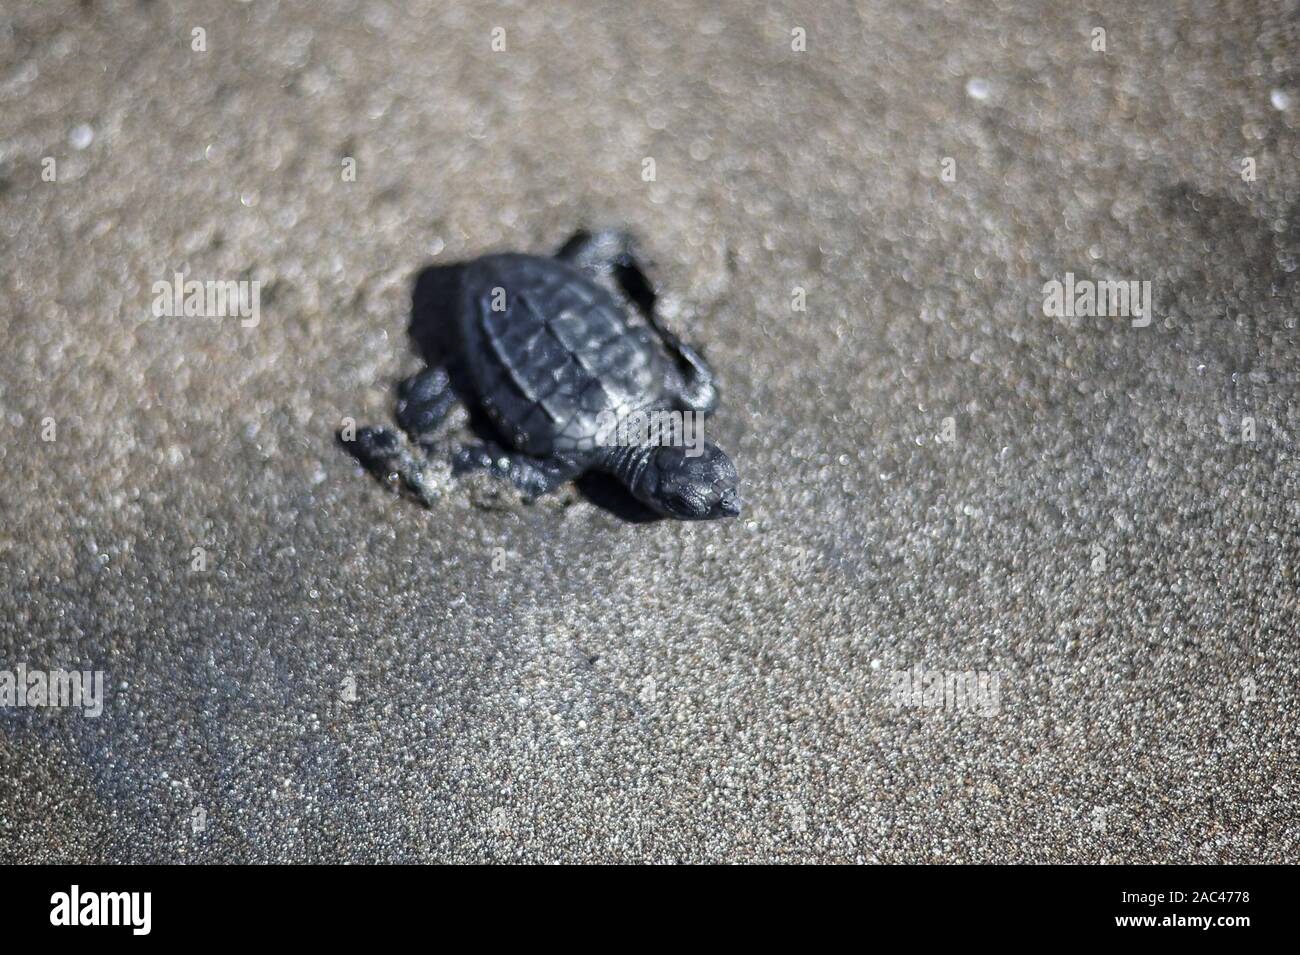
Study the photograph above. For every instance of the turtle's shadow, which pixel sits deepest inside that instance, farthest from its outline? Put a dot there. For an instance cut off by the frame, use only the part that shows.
(432, 330)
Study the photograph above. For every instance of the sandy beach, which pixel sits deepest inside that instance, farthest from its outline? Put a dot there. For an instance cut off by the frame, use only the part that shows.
(1010, 585)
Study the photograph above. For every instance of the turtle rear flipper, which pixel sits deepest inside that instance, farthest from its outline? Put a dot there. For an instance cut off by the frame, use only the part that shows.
(423, 403)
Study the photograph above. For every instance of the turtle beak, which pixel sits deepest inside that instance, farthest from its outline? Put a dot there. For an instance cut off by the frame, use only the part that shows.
(729, 503)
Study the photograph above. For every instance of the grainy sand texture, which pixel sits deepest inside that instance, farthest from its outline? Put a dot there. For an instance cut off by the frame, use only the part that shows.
(1088, 522)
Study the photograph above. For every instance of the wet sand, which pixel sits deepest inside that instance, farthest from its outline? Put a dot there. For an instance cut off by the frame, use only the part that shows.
(940, 479)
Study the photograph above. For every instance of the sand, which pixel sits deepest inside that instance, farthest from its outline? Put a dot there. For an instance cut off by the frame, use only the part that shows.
(1069, 515)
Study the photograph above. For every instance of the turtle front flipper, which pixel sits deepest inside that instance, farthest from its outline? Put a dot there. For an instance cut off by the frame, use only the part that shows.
(391, 459)
(609, 253)
(613, 254)
(533, 476)
(697, 391)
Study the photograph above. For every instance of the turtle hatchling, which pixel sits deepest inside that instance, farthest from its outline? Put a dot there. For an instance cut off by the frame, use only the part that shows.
(547, 352)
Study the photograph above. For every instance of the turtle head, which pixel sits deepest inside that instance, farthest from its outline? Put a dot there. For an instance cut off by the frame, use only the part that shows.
(688, 487)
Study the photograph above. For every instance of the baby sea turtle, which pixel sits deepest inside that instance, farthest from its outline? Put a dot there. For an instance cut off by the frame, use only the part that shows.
(545, 349)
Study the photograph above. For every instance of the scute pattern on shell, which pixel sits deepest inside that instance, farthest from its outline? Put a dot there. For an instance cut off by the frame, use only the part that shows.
(558, 354)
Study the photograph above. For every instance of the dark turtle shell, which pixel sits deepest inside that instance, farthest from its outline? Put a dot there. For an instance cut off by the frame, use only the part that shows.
(554, 353)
